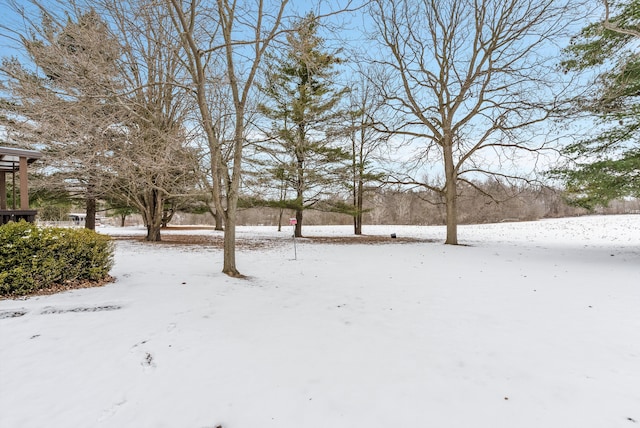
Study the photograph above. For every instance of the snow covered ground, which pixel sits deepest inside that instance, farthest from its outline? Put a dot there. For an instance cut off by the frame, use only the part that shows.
(530, 325)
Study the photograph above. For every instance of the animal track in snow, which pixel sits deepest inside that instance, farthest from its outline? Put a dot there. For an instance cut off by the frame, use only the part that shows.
(148, 360)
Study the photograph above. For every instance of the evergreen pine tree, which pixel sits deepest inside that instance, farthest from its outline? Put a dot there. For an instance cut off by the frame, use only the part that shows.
(607, 167)
(303, 103)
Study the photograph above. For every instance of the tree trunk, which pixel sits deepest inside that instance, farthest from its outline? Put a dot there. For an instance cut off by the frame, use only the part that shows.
(216, 191)
(452, 215)
(90, 220)
(298, 229)
(167, 216)
(218, 221)
(218, 218)
(280, 214)
(153, 216)
(229, 265)
(451, 195)
(153, 233)
(357, 219)
(300, 188)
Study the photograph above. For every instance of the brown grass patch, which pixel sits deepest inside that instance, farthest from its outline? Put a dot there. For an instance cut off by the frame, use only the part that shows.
(216, 241)
(363, 239)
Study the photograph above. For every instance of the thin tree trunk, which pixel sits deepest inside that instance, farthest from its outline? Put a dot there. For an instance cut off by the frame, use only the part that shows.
(167, 216)
(300, 186)
(358, 206)
(216, 169)
(226, 19)
(357, 230)
(298, 228)
(229, 264)
(218, 218)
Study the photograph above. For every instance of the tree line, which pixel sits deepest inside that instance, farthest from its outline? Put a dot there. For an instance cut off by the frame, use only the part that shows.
(160, 106)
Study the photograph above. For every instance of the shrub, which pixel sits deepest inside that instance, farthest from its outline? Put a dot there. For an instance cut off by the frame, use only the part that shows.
(33, 258)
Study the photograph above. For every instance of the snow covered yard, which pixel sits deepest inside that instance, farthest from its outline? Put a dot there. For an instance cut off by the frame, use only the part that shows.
(530, 325)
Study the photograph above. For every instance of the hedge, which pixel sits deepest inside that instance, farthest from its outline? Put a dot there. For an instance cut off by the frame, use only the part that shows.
(34, 258)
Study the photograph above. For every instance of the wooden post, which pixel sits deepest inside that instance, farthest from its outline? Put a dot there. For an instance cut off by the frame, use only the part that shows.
(3, 190)
(24, 188)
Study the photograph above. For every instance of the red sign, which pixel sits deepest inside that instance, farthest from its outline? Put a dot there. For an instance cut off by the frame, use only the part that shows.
(293, 221)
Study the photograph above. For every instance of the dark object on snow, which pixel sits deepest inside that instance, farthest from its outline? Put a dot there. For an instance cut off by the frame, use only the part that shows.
(393, 235)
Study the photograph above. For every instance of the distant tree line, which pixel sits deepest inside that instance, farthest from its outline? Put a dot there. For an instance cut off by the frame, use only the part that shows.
(400, 206)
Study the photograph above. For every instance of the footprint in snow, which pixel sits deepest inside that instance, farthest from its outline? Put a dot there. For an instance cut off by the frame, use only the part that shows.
(148, 362)
(146, 358)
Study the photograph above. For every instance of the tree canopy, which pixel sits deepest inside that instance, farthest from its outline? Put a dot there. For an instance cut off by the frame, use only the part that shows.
(469, 82)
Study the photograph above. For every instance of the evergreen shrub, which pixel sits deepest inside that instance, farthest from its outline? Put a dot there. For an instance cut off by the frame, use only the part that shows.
(34, 258)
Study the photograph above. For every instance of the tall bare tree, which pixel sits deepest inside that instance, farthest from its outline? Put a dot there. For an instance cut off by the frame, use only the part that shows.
(367, 142)
(220, 98)
(471, 79)
(235, 36)
(153, 164)
(225, 42)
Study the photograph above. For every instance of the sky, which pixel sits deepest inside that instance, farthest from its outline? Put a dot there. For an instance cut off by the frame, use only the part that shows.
(349, 35)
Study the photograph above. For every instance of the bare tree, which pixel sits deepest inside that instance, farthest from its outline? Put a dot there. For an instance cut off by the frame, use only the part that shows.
(220, 98)
(152, 166)
(471, 79)
(228, 38)
(238, 36)
(366, 143)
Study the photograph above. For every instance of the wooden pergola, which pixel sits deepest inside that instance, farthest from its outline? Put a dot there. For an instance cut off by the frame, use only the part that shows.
(14, 161)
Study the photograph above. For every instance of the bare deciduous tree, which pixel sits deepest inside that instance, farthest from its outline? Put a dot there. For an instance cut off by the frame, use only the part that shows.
(239, 34)
(471, 79)
(152, 165)
(366, 143)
